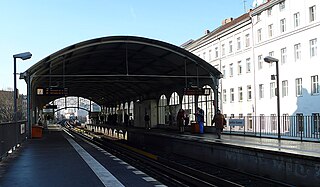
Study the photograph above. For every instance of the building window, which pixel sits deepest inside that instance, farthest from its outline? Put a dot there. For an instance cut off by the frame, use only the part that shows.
(249, 92)
(230, 46)
(283, 55)
(282, 25)
(273, 122)
(271, 53)
(248, 64)
(286, 122)
(297, 52)
(217, 52)
(299, 87)
(204, 56)
(282, 6)
(258, 17)
(210, 55)
(299, 122)
(259, 35)
(270, 30)
(284, 88)
(224, 95)
(260, 62)
(262, 122)
(223, 50)
(239, 68)
(238, 43)
(313, 47)
(296, 19)
(261, 91)
(314, 85)
(247, 40)
(240, 94)
(272, 90)
(231, 95)
(316, 121)
(249, 121)
(224, 71)
(269, 11)
(231, 69)
(312, 13)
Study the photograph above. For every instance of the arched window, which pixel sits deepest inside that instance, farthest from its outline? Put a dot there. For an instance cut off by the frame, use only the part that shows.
(131, 116)
(126, 108)
(162, 109)
(121, 113)
(174, 99)
(188, 106)
(206, 102)
(173, 108)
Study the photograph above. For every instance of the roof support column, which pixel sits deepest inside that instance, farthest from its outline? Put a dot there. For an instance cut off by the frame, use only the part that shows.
(215, 83)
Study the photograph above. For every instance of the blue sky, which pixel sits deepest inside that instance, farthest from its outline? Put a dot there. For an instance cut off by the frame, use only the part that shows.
(44, 27)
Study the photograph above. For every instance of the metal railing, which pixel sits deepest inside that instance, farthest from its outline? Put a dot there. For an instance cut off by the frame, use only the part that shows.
(11, 135)
(304, 128)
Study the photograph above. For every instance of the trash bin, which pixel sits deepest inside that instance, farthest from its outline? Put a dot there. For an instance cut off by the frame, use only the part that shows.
(36, 132)
(195, 127)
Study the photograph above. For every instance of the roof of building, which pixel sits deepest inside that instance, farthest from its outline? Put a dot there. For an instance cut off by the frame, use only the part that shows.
(110, 70)
(218, 31)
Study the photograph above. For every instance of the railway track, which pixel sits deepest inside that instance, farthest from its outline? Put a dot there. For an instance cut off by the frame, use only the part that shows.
(176, 170)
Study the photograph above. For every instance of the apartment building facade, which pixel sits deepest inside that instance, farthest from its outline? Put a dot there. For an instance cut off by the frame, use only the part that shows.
(288, 30)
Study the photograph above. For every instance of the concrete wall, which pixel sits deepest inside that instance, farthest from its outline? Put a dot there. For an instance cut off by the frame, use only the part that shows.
(295, 169)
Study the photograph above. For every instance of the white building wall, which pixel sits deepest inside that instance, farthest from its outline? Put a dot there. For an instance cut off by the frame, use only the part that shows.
(290, 71)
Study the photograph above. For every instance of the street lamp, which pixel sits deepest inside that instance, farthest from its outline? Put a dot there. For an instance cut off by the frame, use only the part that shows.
(23, 56)
(270, 59)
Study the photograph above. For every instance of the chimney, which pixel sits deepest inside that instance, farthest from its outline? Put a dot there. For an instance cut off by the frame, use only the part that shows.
(225, 21)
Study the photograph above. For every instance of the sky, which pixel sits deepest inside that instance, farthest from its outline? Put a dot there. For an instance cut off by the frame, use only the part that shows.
(43, 27)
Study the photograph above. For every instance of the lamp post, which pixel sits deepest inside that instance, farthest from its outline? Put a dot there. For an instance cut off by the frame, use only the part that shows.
(23, 56)
(270, 59)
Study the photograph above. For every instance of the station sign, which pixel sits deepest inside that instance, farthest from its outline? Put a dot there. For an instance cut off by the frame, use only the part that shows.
(236, 122)
(52, 91)
(50, 107)
(196, 91)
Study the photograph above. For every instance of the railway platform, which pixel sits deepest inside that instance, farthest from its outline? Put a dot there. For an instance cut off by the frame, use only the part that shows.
(59, 160)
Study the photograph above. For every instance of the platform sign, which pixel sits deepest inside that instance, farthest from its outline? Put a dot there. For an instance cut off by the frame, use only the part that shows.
(50, 107)
(40, 91)
(196, 91)
(52, 91)
(236, 122)
(56, 91)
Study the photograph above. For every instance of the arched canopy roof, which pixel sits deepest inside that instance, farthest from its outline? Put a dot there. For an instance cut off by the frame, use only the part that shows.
(116, 69)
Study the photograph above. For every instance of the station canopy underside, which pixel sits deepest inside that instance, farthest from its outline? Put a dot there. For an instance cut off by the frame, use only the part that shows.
(116, 69)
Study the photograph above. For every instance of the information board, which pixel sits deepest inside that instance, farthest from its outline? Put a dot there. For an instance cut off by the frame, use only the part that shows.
(196, 91)
(52, 91)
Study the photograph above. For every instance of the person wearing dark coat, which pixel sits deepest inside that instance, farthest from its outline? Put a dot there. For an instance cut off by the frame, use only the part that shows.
(219, 122)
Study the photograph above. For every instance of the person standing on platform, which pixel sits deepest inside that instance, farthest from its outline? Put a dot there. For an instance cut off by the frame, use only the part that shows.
(219, 122)
(180, 120)
(186, 120)
(147, 120)
(126, 119)
(200, 119)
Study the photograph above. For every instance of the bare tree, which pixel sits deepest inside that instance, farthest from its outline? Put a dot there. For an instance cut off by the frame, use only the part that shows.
(7, 107)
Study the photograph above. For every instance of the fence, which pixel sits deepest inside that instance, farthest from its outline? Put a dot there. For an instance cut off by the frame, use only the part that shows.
(291, 127)
(11, 134)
